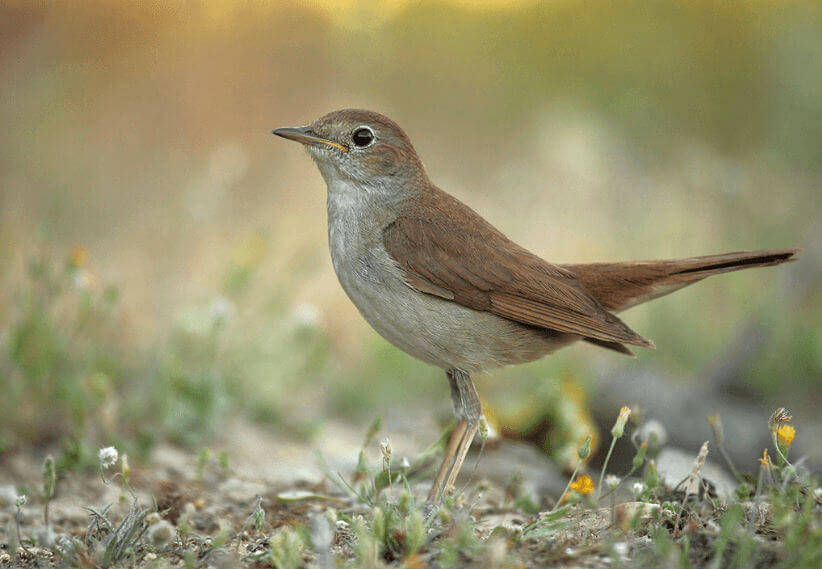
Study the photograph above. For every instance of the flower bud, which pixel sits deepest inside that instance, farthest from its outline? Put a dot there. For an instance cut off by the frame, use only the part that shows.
(585, 450)
(619, 427)
(780, 417)
(716, 426)
(49, 478)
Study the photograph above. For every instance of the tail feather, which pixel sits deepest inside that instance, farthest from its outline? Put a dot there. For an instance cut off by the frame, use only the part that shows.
(618, 286)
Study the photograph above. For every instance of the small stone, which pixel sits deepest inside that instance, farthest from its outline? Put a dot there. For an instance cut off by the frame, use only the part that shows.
(300, 495)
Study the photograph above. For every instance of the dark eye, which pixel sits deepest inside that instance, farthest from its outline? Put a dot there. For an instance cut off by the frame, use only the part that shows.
(362, 137)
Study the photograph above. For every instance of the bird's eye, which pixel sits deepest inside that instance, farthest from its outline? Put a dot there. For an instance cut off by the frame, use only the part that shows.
(362, 137)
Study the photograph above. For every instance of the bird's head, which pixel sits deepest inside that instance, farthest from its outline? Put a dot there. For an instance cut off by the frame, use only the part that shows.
(360, 147)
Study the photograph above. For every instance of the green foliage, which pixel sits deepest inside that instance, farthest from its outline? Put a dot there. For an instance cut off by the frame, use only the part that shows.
(287, 549)
(112, 544)
(546, 524)
(62, 358)
(797, 519)
(67, 347)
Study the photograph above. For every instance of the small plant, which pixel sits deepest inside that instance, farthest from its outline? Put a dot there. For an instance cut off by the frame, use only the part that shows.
(616, 433)
(582, 454)
(546, 524)
(21, 501)
(287, 549)
(113, 544)
(393, 527)
(49, 484)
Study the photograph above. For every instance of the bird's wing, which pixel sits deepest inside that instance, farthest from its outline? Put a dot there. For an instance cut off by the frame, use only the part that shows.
(446, 249)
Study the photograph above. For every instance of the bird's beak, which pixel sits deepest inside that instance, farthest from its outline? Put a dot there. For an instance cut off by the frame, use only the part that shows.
(303, 135)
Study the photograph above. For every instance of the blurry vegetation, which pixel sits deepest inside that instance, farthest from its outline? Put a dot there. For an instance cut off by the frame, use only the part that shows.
(62, 357)
(584, 131)
(74, 376)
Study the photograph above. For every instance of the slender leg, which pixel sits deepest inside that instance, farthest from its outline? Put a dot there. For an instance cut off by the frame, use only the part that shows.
(453, 445)
(465, 444)
(468, 409)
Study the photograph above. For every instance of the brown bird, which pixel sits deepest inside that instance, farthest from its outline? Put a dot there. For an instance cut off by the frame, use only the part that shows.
(441, 283)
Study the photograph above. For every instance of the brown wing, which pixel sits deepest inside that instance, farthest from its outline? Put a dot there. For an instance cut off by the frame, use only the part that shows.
(446, 249)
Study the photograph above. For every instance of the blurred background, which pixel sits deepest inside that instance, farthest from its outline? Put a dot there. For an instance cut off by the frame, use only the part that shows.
(163, 258)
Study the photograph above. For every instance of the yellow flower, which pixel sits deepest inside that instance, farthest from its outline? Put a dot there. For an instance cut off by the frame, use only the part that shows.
(583, 485)
(78, 256)
(785, 434)
(765, 461)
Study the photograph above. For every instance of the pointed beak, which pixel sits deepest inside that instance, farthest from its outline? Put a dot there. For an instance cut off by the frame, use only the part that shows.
(304, 135)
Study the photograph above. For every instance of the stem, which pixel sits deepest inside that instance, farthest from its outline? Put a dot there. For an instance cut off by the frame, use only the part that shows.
(787, 470)
(621, 482)
(778, 450)
(19, 536)
(567, 486)
(730, 463)
(605, 466)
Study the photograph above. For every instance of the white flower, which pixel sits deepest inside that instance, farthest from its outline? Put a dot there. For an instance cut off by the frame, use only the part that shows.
(160, 533)
(81, 280)
(405, 464)
(653, 429)
(306, 313)
(22, 500)
(612, 481)
(107, 456)
(221, 309)
(637, 488)
(621, 549)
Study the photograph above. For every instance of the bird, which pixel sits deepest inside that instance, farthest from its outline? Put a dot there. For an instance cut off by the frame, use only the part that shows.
(441, 283)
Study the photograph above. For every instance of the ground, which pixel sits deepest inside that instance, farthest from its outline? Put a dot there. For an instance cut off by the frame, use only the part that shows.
(269, 501)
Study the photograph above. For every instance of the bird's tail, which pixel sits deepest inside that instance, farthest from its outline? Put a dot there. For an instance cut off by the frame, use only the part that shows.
(618, 286)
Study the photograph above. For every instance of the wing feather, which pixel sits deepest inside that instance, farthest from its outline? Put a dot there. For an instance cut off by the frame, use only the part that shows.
(449, 251)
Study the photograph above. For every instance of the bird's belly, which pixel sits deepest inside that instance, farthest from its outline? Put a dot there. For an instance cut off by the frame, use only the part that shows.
(435, 330)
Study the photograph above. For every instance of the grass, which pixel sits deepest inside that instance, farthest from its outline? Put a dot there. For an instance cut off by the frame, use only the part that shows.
(375, 518)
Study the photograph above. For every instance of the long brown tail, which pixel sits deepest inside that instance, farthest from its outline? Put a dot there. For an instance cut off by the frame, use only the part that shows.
(618, 286)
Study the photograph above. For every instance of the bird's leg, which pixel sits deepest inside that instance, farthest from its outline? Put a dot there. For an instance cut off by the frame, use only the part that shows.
(453, 442)
(471, 410)
(448, 459)
(468, 409)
